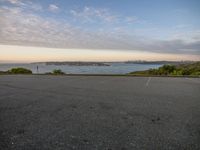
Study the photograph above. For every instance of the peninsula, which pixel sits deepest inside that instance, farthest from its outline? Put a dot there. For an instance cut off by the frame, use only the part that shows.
(78, 63)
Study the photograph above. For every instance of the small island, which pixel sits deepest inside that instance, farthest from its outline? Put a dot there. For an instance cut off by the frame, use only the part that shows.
(77, 63)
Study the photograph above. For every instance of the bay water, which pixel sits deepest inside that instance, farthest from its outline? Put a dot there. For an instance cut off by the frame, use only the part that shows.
(114, 68)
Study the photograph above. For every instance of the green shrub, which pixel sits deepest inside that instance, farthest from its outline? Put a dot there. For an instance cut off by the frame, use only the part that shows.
(20, 71)
(58, 72)
(166, 69)
(196, 73)
(179, 70)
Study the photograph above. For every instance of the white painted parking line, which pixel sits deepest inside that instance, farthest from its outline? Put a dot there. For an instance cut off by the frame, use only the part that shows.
(147, 83)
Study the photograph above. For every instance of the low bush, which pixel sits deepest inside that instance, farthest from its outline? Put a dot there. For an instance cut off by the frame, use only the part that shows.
(58, 72)
(20, 71)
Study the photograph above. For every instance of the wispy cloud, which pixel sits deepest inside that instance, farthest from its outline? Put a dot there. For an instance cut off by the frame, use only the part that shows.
(131, 19)
(24, 4)
(53, 8)
(15, 2)
(94, 14)
(101, 15)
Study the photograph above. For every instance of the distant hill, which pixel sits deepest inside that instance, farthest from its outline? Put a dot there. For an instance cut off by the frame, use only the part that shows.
(175, 70)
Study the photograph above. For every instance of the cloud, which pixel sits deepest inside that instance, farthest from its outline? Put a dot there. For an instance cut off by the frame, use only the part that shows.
(174, 46)
(15, 2)
(53, 8)
(101, 15)
(131, 19)
(20, 26)
(90, 14)
(30, 29)
(24, 4)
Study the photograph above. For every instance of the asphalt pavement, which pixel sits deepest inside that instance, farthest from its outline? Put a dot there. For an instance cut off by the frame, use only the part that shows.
(41, 112)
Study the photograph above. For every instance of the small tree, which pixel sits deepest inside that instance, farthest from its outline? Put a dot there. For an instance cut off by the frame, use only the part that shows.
(58, 72)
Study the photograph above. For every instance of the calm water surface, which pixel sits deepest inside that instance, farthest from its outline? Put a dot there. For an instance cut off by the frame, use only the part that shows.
(114, 68)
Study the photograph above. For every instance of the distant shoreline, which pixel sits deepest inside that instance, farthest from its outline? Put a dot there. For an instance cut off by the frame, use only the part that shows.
(87, 63)
(104, 63)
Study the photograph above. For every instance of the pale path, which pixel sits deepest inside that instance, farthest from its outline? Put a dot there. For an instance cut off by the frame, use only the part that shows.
(99, 113)
(149, 79)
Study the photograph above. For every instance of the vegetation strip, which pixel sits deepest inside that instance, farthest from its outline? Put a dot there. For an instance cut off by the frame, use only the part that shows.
(192, 69)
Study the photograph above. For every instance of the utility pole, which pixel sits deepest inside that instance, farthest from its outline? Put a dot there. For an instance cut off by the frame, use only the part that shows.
(37, 69)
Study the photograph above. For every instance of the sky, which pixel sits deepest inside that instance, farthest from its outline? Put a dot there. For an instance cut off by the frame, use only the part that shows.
(99, 30)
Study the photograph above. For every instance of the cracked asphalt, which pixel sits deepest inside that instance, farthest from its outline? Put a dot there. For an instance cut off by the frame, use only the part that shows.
(39, 112)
